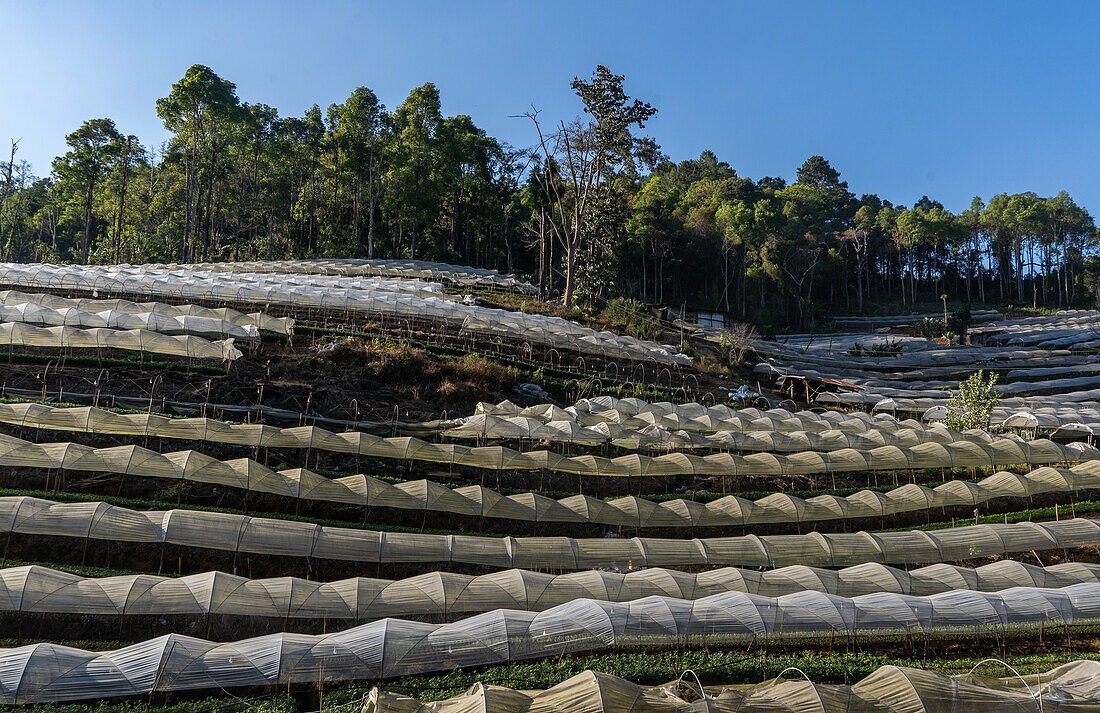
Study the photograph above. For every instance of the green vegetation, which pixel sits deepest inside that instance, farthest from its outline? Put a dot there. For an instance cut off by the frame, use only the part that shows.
(736, 343)
(632, 317)
(627, 227)
(560, 382)
(971, 405)
(888, 348)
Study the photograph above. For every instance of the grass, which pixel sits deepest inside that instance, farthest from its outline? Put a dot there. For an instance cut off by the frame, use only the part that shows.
(632, 317)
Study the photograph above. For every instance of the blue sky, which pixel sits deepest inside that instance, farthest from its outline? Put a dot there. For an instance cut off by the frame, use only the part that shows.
(949, 99)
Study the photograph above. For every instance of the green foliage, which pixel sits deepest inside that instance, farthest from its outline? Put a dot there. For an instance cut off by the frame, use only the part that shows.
(959, 322)
(734, 344)
(632, 317)
(888, 348)
(929, 328)
(970, 406)
(600, 209)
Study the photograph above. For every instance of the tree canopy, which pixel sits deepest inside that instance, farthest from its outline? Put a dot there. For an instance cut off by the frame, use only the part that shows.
(590, 210)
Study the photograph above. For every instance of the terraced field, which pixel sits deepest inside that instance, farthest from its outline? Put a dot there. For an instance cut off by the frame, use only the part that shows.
(314, 485)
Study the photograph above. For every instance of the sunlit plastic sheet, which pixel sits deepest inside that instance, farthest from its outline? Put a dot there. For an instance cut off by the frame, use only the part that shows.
(18, 334)
(408, 287)
(526, 428)
(479, 501)
(1071, 688)
(355, 267)
(30, 313)
(658, 438)
(999, 451)
(396, 647)
(36, 589)
(244, 534)
(259, 320)
(609, 417)
(353, 296)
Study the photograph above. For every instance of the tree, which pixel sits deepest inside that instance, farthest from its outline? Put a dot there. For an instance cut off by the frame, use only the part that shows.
(591, 153)
(93, 150)
(971, 405)
(361, 123)
(857, 238)
(199, 110)
(599, 210)
(416, 122)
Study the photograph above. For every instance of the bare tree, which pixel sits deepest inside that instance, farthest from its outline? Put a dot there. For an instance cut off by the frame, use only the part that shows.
(569, 180)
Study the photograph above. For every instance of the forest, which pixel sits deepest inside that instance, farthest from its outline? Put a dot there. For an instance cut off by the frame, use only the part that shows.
(589, 211)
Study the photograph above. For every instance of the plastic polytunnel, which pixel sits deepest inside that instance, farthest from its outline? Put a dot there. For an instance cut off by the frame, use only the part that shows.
(999, 451)
(259, 320)
(1071, 688)
(479, 501)
(35, 589)
(656, 437)
(18, 334)
(31, 313)
(396, 647)
(342, 294)
(414, 269)
(243, 534)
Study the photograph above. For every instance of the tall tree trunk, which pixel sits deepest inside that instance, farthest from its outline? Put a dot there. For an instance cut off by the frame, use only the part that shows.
(373, 203)
(87, 220)
(570, 270)
(358, 201)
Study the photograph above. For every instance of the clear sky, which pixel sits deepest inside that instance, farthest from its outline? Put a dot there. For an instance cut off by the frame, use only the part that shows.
(948, 99)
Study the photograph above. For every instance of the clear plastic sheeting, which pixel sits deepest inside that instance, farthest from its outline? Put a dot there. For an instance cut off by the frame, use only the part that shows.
(911, 402)
(256, 535)
(901, 320)
(479, 501)
(857, 434)
(842, 343)
(697, 418)
(1070, 688)
(1069, 329)
(999, 451)
(35, 589)
(395, 647)
(18, 334)
(1038, 370)
(1051, 417)
(1035, 385)
(30, 313)
(343, 294)
(351, 267)
(658, 438)
(414, 288)
(259, 320)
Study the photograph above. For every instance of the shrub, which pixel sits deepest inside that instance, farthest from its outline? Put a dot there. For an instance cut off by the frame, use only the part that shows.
(883, 349)
(959, 322)
(970, 406)
(632, 317)
(929, 328)
(735, 342)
